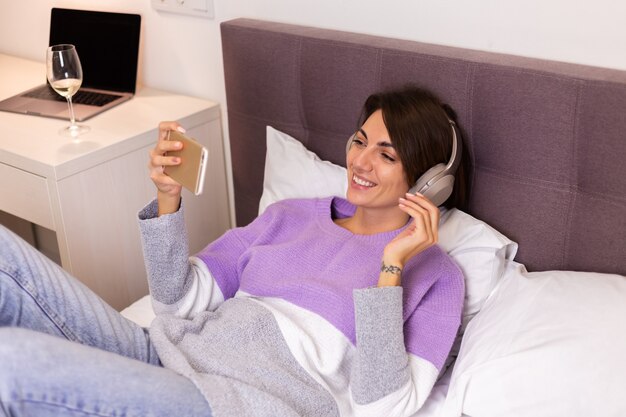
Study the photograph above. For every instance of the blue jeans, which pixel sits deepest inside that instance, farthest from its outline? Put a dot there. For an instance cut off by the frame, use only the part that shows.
(65, 352)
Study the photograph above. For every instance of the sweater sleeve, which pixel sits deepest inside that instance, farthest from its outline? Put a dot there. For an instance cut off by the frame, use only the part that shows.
(178, 284)
(399, 354)
(381, 365)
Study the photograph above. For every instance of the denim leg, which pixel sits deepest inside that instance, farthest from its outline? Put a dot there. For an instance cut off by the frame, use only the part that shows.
(37, 294)
(43, 375)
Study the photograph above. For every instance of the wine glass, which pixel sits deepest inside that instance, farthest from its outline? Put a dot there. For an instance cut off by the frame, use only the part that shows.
(65, 76)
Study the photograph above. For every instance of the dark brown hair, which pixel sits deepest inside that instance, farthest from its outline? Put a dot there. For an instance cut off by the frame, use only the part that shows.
(419, 128)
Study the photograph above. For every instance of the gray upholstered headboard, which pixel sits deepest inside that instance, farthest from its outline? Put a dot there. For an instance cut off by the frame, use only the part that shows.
(547, 140)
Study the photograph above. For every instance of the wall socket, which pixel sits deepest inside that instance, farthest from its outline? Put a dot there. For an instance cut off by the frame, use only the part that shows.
(201, 8)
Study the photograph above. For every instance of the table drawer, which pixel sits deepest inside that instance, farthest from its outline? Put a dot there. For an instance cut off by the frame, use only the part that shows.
(25, 195)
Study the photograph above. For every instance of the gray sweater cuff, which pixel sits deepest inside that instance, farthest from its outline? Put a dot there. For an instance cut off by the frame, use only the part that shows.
(381, 365)
(166, 253)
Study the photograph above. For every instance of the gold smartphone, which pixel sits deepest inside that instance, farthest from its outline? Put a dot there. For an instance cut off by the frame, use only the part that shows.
(190, 172)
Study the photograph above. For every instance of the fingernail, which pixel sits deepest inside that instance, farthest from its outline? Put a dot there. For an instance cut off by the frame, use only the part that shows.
(178, 145)
(181, 129)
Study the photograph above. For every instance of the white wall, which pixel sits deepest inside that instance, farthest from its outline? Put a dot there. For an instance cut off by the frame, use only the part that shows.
(183, 54)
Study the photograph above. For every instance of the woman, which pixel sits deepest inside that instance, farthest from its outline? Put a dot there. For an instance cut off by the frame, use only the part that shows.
(320, 307)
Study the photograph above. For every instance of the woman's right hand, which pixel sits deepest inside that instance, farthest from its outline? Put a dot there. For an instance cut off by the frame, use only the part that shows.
(419, 235)
(168, 190)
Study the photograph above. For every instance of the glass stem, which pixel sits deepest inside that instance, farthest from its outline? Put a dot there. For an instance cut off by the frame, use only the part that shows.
(72, 118)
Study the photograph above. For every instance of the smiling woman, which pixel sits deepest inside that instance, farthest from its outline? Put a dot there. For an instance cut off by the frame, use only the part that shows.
(361, 326)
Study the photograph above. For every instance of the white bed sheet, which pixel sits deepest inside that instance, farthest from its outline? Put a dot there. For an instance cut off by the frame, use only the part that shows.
(140, 312)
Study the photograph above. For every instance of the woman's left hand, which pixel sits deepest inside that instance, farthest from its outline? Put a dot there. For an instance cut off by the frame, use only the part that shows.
(421, 234)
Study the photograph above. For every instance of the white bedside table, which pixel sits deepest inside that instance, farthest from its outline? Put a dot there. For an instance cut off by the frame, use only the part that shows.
(89, 192)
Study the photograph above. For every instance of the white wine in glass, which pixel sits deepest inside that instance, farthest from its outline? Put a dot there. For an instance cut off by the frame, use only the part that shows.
(65, 76)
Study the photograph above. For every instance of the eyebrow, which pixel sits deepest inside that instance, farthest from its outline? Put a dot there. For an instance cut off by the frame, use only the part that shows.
(382, 144)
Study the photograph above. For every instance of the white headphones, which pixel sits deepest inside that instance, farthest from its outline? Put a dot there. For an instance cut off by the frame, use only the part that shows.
(437, 183)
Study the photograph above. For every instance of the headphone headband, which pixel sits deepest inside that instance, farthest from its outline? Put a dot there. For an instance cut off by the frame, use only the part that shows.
(457, 148)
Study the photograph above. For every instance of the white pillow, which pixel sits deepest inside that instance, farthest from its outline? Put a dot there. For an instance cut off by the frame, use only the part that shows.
(292, 171)
(141, 311)
(480, 251)
(545, 344)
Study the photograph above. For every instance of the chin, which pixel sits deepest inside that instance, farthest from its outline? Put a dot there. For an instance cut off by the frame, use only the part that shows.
(358, 202)
(361, 200)
(355, 198)
(352, 200)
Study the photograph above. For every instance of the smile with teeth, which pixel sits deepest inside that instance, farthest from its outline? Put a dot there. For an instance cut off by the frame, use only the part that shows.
(362, 182)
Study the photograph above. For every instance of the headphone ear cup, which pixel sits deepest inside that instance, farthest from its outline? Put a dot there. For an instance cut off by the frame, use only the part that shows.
(421, 185)
(439, 189)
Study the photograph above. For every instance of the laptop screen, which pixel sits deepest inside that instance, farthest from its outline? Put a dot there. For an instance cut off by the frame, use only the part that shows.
(107, 45)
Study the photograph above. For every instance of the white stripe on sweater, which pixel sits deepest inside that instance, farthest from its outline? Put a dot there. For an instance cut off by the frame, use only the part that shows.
(203, 294)
(326, 354)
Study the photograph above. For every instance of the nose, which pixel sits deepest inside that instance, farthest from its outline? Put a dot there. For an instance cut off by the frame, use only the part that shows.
(362, 160)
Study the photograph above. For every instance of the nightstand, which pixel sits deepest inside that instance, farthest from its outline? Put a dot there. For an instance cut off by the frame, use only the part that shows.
(88, 192)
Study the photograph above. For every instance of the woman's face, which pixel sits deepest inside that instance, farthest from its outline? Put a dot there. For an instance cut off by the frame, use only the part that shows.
(376, 176)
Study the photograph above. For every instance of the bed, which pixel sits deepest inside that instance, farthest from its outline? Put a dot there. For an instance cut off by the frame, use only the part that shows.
(543, 242)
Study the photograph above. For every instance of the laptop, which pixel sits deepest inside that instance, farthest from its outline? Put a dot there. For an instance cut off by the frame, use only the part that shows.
(108, 49)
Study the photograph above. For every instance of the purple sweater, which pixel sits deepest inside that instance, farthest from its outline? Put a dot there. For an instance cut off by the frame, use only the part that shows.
(311, 282)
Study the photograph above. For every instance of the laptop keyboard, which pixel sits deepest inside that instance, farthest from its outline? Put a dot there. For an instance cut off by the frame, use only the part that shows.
(81, 97)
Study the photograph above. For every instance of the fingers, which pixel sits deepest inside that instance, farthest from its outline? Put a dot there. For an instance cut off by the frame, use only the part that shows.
(159, 159)
(425, 203)
(424, 212)
(162, 180)
(165, 127)
(421, 234)
(158, 156)
(434, 213)
(156, 166)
